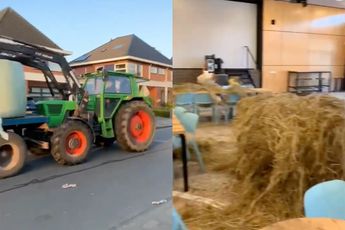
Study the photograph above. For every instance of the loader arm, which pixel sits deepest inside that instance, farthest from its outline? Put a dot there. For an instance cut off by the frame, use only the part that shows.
(37, 56)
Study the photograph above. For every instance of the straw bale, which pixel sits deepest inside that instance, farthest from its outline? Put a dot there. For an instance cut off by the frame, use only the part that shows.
(284, 145)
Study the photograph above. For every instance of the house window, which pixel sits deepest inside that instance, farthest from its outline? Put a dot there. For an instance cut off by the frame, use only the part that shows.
(131, 68)
(139, 70)
(161, 71)
(157, 70)
(120, 67)
(109, 67)
(154, 69)
(40, 93)
(135, 69)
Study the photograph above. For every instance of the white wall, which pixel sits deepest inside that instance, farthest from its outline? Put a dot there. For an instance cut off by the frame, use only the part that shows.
(205, 27)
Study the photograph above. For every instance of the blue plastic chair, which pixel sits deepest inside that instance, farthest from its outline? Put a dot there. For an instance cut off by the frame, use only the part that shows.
(178, 111)
(204, 101)
(232, 101)
(185, 100)
(326, 199)
(178, 223)
(190, 123)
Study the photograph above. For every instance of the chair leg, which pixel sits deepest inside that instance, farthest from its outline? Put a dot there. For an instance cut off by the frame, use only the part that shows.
(215, 115)
(198, 155)
(226, 115)
(195, 109)
(231, 113)
(178, 223)
(234, 111)
(188, 153)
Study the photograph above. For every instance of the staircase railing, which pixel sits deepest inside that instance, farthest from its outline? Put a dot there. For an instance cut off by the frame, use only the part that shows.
(250, 54)
(254, 75)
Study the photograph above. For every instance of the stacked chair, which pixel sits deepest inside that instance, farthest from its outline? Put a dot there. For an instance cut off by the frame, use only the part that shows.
(203, 105)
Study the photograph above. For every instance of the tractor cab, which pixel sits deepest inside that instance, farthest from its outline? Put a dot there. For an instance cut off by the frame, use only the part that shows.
(107, 91)
(110, 88)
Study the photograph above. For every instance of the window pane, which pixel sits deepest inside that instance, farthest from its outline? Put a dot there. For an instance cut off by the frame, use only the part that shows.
(132, 68)
(36, 90)
(161, 71)
(154, 69)
(139, 68)
(121, 66)
(94, 86)
(116, 84)
(109, 67)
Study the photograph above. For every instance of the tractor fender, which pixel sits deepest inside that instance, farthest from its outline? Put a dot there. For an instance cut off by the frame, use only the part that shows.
(86, 123)
(147, 100)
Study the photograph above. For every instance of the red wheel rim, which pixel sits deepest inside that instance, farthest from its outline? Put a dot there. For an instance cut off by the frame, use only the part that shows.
(140, 126)
(76, 143)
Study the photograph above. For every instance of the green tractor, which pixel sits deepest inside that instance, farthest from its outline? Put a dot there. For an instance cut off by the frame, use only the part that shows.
(107, 108)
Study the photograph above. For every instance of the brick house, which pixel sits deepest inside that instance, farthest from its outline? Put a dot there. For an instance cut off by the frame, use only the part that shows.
(14, 25)
(131, 54)
(127, 53)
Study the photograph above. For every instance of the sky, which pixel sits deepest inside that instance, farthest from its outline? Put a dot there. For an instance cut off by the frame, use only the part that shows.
(82, 25)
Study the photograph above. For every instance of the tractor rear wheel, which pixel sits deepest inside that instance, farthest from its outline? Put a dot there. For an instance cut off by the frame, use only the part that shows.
(135, 126)
(71, 142)
(12, 155)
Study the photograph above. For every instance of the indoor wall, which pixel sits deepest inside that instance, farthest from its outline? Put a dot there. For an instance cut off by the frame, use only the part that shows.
(297, 38)
(206, 27)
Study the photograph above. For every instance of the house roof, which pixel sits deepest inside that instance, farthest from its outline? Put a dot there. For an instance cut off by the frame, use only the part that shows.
(125, 46)
(15, 26)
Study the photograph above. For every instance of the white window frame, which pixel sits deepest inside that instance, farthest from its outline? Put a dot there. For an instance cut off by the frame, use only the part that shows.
(136, 72)
(154, 67)
(161, 71)
(131, 64)
(140, 74)
(121, 69)
(109, 64)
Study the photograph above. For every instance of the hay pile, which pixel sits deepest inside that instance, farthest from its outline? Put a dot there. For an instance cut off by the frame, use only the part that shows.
(285, 145)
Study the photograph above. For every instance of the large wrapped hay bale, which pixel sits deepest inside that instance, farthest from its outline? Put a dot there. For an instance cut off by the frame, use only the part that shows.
(285, 144)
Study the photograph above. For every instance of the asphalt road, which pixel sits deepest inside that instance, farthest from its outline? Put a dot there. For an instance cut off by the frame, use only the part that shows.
(114, 190)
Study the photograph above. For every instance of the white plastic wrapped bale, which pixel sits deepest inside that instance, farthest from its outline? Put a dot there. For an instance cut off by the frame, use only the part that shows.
(12, 89)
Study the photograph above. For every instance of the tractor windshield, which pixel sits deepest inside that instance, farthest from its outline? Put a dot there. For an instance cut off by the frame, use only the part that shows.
(117, 84)
(94, 86)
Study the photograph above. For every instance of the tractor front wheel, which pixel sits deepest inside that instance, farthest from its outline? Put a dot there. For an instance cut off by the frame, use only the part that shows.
(12, 155)
(71, 142)
(135, 126)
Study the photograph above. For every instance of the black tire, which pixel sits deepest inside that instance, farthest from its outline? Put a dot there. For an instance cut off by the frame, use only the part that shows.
(71, 142)
(12, 155)
(104, 142)
(123, 122)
